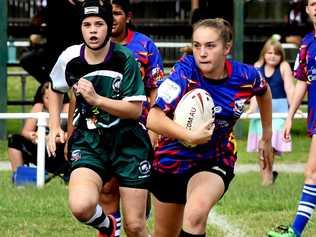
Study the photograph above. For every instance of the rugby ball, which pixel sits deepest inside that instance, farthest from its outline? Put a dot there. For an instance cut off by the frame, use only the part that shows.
(195, 108)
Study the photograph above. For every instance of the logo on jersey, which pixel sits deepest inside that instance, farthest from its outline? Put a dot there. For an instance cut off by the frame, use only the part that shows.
(157, 73)
(218, 109)
(312, 76)
(75, 155)
(262, 80)
(144, 168)
(168, 90)
(116, 85)
(239, 107)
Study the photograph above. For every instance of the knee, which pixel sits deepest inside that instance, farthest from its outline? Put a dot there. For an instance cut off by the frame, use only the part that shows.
(310, 175)
(82, 209)
(196, 218)
(134, 227)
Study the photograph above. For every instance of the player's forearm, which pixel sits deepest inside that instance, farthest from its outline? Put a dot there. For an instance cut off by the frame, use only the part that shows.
(120, 108)
(158, 122)
(297, 98)
(265, 107)
(55, 107)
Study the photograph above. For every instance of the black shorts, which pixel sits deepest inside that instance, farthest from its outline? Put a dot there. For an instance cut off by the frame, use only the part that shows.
(29, 154)
(172, 188)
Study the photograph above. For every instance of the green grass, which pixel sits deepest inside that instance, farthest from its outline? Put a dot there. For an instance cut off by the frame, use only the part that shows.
(30, 211)
(248, 206)
(256, 209)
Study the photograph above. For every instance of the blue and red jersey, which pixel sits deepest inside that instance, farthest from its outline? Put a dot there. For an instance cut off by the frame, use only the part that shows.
(149, 61)
(229, 95)
(305, 70)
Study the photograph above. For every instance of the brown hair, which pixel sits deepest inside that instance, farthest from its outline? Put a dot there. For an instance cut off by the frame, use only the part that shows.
(223, 26)
(277, 46)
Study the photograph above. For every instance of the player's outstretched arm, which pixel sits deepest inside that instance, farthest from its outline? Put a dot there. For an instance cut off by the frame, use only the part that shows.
(265, 107)
(54, 106)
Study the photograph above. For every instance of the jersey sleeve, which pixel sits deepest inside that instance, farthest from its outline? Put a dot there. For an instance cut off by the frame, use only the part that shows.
(154, 71)
(300, 65)
(58, 73)
(58, 76)
(132, 85)
(260, 84)
(172, 88)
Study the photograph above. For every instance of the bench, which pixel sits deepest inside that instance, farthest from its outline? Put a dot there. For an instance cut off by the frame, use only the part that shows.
(42, 119)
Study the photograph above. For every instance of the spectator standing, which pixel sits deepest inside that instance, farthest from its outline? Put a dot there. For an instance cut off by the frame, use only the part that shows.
(278, 74)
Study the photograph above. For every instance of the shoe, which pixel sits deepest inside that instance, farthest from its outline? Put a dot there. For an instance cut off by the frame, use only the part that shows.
(282, 231)
(111, 231)
(274, 176)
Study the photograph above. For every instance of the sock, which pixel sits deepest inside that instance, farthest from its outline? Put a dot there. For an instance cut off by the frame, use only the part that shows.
(186, 234)
(117, 216)
(305, 208)
(100, 221)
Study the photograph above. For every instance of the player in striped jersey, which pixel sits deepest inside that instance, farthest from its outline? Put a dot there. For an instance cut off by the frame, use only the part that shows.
(188, 182)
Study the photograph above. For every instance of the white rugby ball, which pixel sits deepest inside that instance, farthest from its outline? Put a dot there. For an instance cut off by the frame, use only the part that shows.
(195, 108)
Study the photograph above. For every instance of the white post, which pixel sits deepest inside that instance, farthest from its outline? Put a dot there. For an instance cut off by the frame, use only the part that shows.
(41, 133)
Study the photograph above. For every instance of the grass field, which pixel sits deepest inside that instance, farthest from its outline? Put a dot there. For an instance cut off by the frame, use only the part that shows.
(247, 208)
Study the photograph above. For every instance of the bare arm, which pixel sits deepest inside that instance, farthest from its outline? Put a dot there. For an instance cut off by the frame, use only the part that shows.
(288, 80)
(54, 107)
(29, 128)
(265, 106)
(152, 135)
(119, 108)
(160, 123)
(298, 95)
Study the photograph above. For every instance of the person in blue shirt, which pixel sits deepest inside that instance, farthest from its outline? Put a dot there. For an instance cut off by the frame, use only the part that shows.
(188, 182)
(278, 74)
(305, 73)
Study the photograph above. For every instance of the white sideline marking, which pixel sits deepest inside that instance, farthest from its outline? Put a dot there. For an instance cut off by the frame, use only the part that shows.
(229, 229)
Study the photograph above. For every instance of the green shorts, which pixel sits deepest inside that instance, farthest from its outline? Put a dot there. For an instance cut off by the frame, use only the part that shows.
(123, 151)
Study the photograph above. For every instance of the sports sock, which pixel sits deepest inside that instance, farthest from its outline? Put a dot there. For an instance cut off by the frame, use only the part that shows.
(99, 220)
(117, 216)
(186, 234)
(305, 208)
